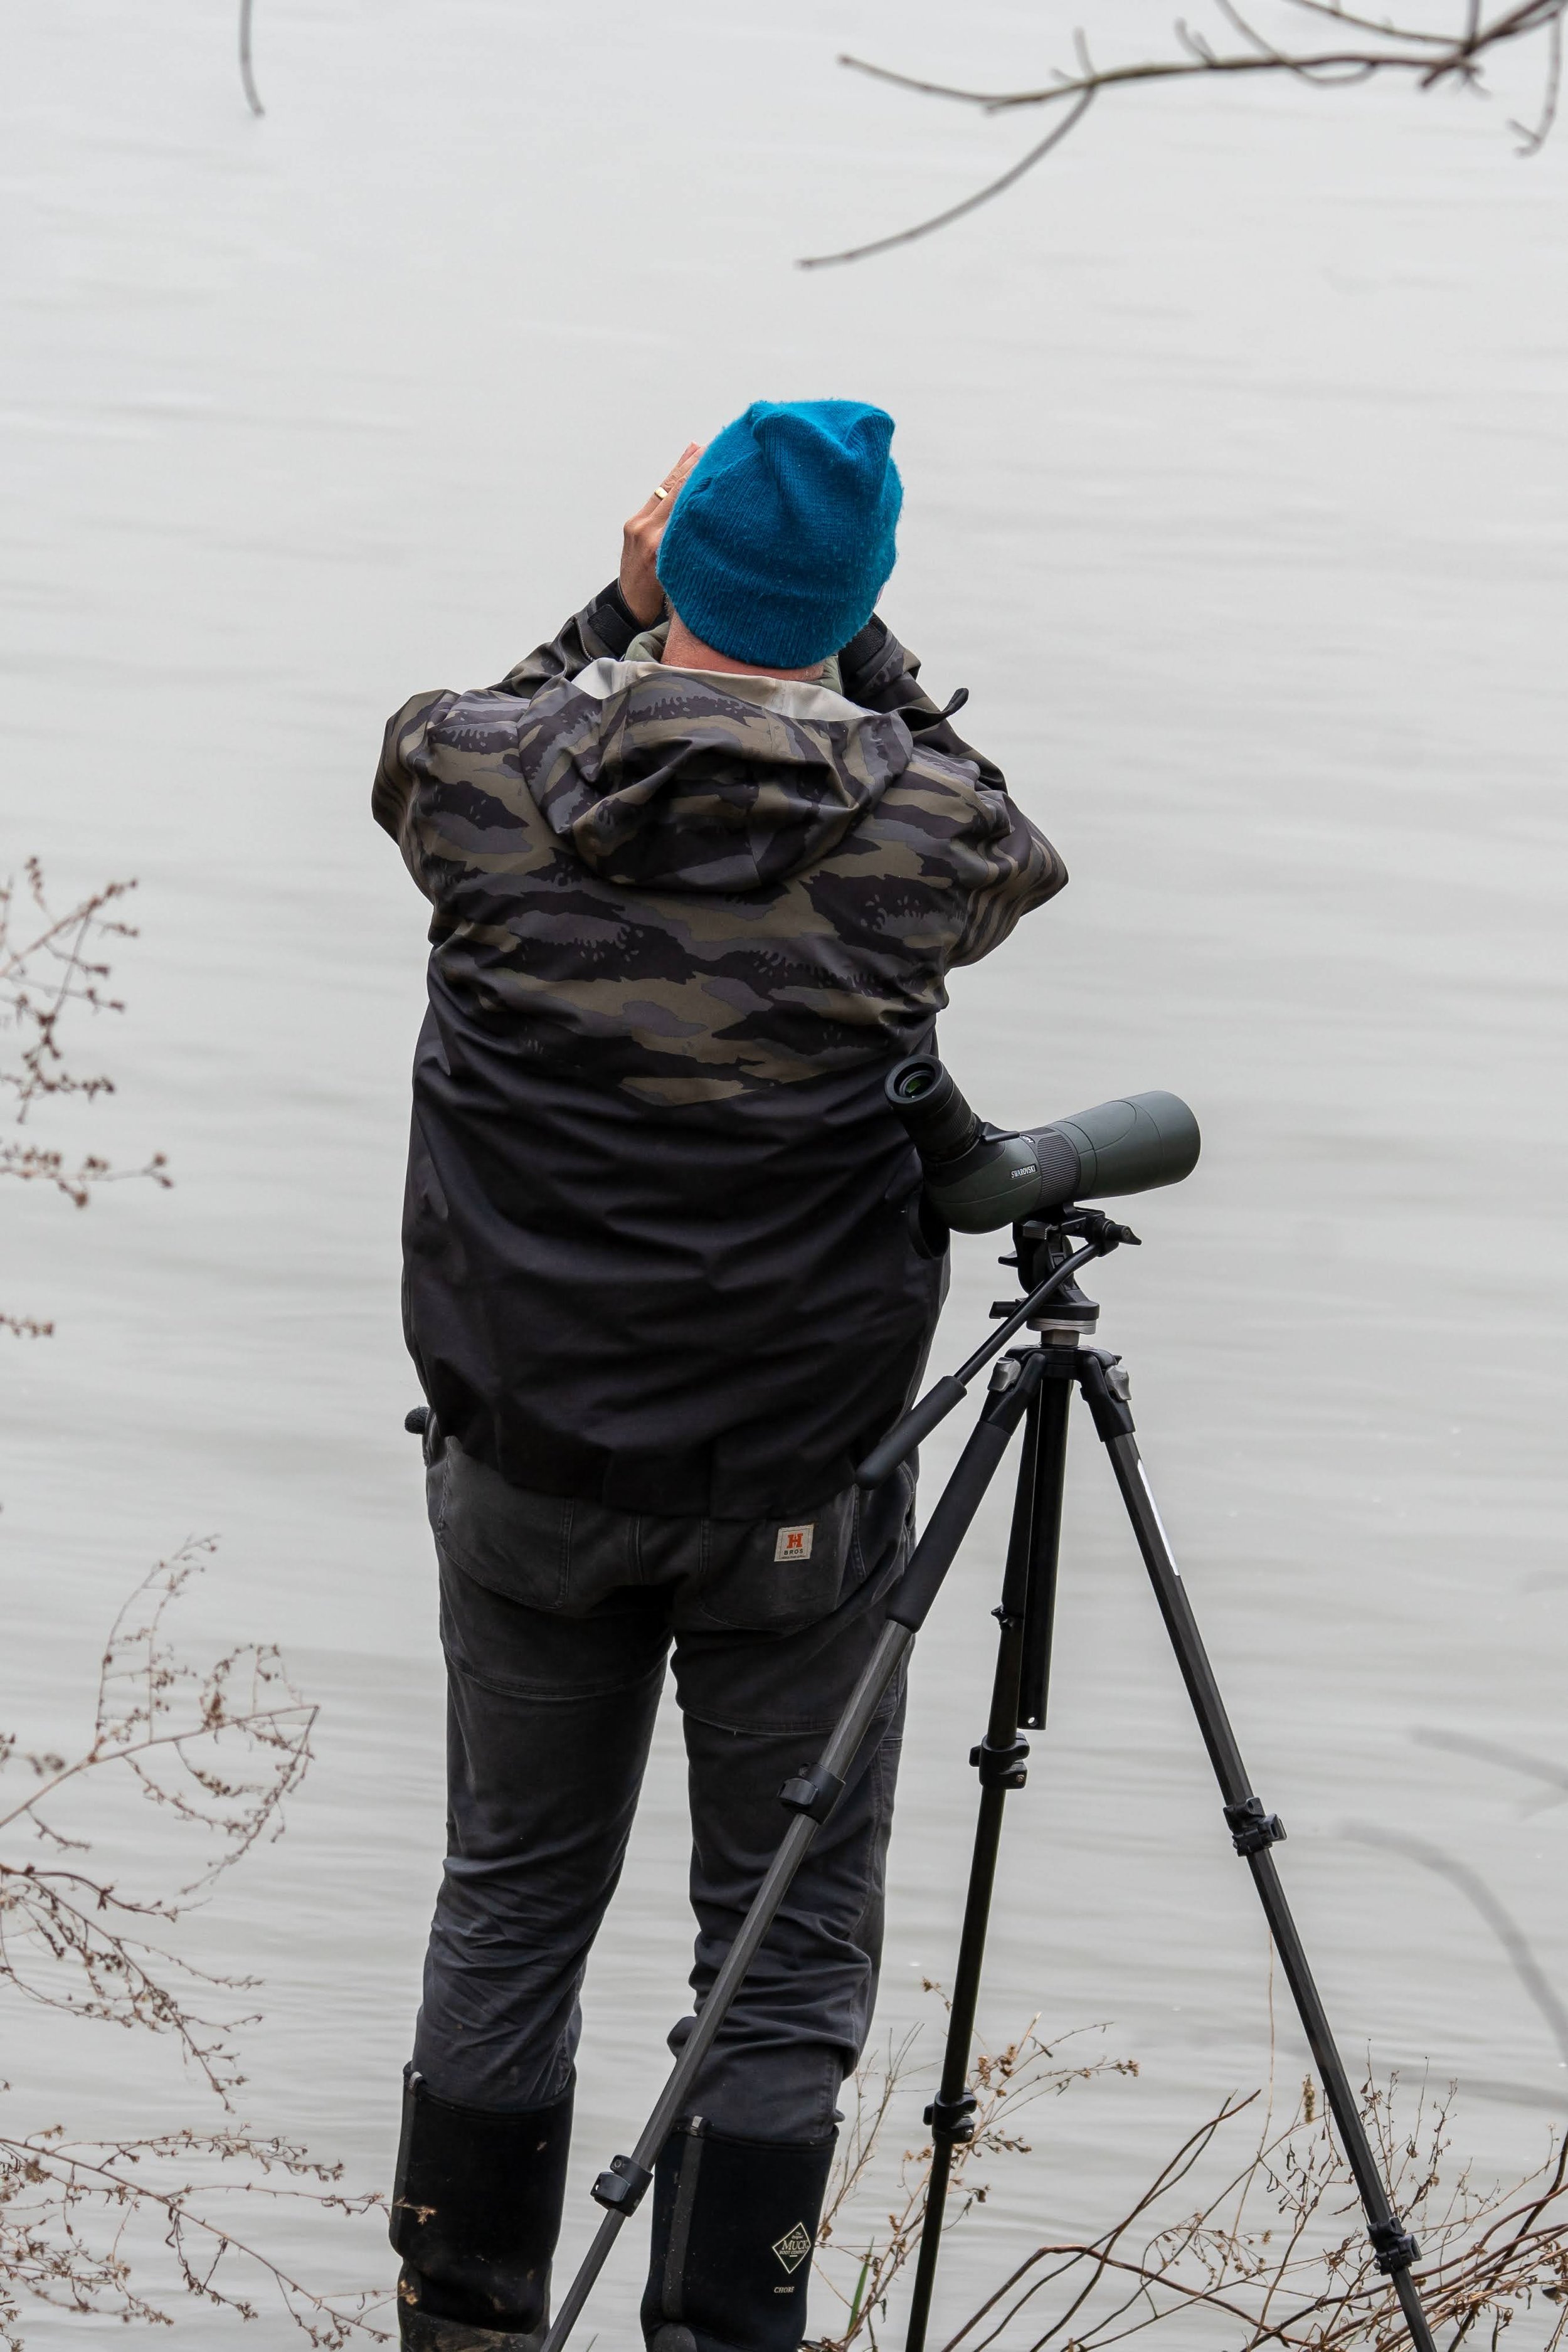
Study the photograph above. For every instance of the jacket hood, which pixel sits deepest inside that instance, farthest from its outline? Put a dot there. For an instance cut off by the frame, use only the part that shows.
(666, 779)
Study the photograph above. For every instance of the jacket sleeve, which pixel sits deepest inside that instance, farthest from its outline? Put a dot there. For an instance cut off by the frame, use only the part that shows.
(1008, 865)
(880, 673)
(1019, 869)
(402, 756)
(603, 629)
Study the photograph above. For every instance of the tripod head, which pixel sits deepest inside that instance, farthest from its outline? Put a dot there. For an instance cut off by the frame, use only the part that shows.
(1053, 1305)
(1042, 1246)
(978, 1177)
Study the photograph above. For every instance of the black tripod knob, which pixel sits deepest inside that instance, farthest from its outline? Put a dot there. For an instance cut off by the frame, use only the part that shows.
(952, 2119)
(1001, 1767)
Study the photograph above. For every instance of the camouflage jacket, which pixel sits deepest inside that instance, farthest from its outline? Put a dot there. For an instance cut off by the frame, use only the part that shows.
(683, 922)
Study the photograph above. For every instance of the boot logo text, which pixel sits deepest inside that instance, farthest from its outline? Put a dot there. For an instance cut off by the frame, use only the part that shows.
(793, 2248)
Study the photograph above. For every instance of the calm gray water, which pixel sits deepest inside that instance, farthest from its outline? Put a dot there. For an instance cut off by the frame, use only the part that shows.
(1233, 447)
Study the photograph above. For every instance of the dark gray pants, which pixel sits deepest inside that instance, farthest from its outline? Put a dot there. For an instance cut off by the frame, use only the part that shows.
(556, 1619)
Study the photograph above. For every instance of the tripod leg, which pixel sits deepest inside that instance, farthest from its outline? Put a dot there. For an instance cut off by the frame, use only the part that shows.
(811, 1798)
(1253, 1832)
(1040, 1602)
(1028, 1591)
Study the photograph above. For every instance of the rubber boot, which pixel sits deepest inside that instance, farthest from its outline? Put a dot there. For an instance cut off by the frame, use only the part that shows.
(735, 2222)
(476, 2211)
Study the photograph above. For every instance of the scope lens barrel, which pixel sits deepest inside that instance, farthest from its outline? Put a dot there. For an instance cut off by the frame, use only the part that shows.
(936, 1119)
(1133, 1145)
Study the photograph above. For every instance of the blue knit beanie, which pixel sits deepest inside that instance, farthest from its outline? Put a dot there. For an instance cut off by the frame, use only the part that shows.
(783, 536)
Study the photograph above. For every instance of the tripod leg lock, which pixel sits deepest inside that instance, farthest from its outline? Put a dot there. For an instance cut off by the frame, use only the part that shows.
(814, 1791)
(1106, 1389)
(623, 2187)
(1251, 1828)
(1392, 2246)
(1001, 1767)
(952, 2119)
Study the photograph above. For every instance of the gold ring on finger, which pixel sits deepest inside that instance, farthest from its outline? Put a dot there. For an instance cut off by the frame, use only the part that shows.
(661, 492)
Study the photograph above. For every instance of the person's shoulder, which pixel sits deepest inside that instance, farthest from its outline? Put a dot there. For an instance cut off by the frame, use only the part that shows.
(465, 737)
(945, 795)
(417, 712)
(463, 786)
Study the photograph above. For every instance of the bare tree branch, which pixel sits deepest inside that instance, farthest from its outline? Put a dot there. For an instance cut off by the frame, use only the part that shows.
(1377, 49)
(1532, 137)
(248, 79)
(1509, 1935)
(956, 212)
(1494, 1751)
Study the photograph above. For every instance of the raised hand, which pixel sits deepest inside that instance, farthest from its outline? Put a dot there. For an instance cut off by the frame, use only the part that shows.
(640, 538)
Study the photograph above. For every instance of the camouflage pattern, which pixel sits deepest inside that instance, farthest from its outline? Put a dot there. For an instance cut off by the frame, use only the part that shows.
(693, 885)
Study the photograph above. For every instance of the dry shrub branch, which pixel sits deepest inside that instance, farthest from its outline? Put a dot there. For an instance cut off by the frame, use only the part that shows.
(1004, 2082)
(219, 1748)
(52, 965)
(68, 2210)
(216, 1749)
(1262, 2246)
(1278, 2248)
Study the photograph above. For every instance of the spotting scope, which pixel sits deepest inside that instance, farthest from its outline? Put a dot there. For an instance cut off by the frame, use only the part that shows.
(978, 1177)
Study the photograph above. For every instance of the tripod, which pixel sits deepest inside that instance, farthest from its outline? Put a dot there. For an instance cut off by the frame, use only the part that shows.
(1034, 1385)
(1018, 1693)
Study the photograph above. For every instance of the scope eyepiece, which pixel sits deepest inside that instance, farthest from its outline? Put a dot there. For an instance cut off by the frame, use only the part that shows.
(936, 1119)
(979, 1177)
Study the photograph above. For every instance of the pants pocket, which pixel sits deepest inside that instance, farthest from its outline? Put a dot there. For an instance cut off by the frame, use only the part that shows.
(508, 1538)
(773, 1576)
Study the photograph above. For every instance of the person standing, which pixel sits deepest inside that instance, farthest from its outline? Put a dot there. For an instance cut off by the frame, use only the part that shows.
(699, 868)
